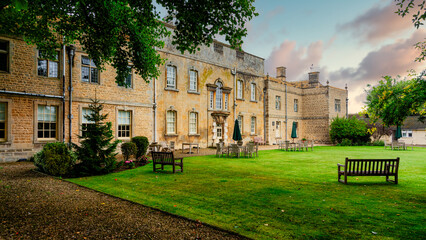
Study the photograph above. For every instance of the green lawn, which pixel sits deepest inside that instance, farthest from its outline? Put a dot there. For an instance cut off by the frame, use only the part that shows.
(281, 195)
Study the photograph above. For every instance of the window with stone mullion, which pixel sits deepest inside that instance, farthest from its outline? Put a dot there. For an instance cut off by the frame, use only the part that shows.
(253, 125)
(171, 77)
(192, 80)
(47, 68)
(239, 89)
(3, 122)
(85, 122)
(124, 124)
(211, 100)
(219, 96)
(89, 71)
(193, 123)
(46, 122)
(240, 123)
(4, 56)
(171, 122)
(253, 92)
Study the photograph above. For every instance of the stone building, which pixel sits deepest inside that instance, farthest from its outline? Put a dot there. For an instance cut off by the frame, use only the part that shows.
(35, 103)
(199, 96)
(196, 98)
(308, 103)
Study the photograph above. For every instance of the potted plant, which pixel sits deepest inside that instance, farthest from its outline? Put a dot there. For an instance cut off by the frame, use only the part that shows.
(303, 139)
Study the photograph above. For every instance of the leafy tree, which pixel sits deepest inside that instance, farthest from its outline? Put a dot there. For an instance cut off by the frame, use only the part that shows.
(116, 32)
(393, 100)
(96, 150)
(378, 130)
(349, 130)
(419, 16)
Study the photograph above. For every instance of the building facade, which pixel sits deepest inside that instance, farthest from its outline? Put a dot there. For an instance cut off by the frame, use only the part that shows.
(196, 99)
(308, 103)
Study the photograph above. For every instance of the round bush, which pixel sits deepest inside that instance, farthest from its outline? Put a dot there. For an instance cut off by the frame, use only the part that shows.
(141, 144)
(55, 159)
(128, 149)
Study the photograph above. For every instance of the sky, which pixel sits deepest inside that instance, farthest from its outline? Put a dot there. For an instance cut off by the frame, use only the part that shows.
(348, 42)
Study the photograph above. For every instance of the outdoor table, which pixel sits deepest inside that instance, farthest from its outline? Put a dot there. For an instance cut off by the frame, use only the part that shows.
(292, 146)
(242, 148)
(190, 147)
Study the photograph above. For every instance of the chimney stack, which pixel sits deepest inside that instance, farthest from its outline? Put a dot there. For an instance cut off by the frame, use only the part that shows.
(281, 73)
(314, 79)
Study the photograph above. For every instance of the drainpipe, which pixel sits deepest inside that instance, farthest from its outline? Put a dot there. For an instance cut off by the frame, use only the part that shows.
(207, 116)
(63, 90)
(286, 117)
(154, 107)
(264, 114)
(347, 101)
(71, 53)
(234, 72)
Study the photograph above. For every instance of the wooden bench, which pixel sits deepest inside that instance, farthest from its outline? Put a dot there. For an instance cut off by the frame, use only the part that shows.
(368, 167)
(166, 158)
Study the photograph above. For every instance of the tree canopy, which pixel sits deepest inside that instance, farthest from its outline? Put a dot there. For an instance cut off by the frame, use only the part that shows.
(126, 31)
(393, 100)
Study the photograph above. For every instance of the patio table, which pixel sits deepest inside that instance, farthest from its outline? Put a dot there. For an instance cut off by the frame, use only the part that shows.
(242, 148)
(190, 147)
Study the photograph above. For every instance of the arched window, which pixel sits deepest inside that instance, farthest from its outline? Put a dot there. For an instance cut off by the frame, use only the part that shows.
(219, 95)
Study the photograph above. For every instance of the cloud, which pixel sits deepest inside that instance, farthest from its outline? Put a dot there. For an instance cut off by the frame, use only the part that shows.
(391, 59)
(377, 24)
(296, 59)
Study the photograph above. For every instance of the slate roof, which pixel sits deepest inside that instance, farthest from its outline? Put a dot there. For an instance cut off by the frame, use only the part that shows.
(412, 122)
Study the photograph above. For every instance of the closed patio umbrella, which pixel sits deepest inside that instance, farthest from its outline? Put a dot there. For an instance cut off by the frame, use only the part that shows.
(237, 134)
(398, 133)
(294, 131)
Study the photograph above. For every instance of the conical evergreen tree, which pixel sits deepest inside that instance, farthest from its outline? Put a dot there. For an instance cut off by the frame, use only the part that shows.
(96, 150)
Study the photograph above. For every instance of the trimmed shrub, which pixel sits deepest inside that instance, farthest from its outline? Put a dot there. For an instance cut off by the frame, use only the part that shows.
(350, 129)
(55, 159)
(141, 145)
(128, 149)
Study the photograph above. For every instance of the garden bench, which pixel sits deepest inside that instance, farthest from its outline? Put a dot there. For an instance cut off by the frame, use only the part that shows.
(368, 167)
(166, 158)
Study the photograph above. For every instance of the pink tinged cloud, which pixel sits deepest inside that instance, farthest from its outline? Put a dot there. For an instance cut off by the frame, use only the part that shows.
(392, 59)
(297, 60)
(377, 24)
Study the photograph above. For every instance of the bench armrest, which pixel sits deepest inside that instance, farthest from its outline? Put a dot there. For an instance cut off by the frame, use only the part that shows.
(179, 159)
(339, 165)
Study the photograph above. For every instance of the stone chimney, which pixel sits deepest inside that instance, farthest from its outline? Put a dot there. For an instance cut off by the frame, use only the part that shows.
(281, 73)
(314, 79)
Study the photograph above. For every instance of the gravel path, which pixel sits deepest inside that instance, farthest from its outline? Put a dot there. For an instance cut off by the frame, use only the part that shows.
(36, 206)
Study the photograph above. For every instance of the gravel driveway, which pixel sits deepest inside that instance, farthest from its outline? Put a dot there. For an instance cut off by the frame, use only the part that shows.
(36, 206)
